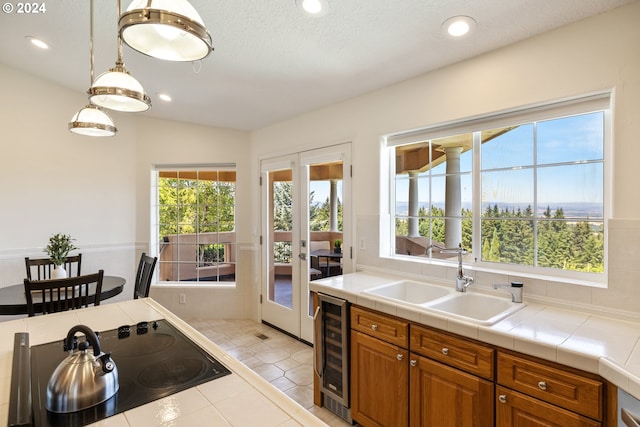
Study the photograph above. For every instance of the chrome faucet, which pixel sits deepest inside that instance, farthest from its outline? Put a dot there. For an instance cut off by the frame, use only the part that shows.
(462, 281)
(515, 289)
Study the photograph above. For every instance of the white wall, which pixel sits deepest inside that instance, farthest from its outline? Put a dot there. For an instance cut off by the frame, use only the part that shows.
(596, 54)
(54, 181)
(165, 142)
(98, 189)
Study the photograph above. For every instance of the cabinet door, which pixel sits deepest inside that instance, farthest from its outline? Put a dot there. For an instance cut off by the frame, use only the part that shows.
(514, 409)
(442, 396)
(379, 378)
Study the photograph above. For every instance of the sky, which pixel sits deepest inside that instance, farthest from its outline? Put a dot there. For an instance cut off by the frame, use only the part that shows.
(569, 156)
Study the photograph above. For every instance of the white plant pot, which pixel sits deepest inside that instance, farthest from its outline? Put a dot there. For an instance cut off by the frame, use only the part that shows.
(59, 272)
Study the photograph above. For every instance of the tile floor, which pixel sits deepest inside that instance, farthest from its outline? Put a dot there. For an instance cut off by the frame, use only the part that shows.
(283, 361)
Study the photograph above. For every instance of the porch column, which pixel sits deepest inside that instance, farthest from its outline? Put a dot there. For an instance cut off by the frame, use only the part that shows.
(414, 230)
(333, 205)
(453, 199)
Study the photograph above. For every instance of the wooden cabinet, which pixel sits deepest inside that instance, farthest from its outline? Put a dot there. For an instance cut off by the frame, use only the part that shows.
(451, 380)
(406, 374)
(379, 378)
(391, 388)
(442, 396)
(379, 369)
(541, 393)
(470, 356)
(379, 325)
(515, 409)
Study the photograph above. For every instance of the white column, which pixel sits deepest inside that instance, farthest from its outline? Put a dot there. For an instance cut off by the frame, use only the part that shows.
(453, 199)
(333, 206)
(414, 230)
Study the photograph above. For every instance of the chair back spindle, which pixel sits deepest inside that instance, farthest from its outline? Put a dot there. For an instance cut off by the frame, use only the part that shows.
(41, 268)
(55, 295)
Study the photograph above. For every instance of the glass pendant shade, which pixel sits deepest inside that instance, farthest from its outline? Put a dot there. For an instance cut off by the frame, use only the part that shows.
(117, 90)
(92, 121)
(165, 29)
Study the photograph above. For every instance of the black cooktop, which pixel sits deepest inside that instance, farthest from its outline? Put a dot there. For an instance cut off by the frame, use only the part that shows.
(154, 360)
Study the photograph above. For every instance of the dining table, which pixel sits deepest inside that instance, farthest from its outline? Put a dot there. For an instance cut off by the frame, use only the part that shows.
(14, 301)
(329, 255)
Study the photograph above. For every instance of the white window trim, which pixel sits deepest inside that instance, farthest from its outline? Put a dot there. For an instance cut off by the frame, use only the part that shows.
(570, 106)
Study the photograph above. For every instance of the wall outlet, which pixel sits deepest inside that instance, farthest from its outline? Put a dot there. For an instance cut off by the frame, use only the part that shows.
(183, 299)
(363, 245)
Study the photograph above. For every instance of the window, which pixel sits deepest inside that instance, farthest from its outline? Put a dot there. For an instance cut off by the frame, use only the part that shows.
(521, 191)
(195, 227)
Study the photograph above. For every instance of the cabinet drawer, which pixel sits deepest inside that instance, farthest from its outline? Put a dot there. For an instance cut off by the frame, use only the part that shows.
(566, 389)
(378, 325)
(514, 409)
(453, 351)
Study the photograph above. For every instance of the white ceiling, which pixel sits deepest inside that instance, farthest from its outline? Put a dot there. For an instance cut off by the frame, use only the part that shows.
(271, 61)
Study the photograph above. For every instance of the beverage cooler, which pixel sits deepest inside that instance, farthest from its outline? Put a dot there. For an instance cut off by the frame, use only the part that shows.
(332, 353)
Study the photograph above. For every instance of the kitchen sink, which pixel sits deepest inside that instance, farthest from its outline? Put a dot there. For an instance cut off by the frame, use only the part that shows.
(411, 292)
(476, 308)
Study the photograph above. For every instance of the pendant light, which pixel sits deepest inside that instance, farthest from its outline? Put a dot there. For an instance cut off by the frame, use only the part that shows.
(117, 90)
(91, 120)
(165, 29)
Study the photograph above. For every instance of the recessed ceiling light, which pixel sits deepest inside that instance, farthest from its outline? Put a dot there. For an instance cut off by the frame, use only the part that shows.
(313, 7)
(37, 42)
(458, 26)
(164, 97)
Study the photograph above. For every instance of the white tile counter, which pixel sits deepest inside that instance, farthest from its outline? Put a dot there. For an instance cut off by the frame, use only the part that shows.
(594, 343)
(240, 399)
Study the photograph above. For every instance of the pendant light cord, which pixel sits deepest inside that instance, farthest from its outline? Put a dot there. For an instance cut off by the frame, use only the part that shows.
(91, 40)
(119, 61)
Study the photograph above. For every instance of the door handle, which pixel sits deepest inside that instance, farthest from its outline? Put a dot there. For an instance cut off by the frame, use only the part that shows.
(303, 256)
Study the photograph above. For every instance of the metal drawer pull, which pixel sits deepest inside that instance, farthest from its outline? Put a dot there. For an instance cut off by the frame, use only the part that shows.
(628, 418)
(399, 357)
(374, 327)
(502, 398)
(414, 362)
(542, 385)
(445, 351)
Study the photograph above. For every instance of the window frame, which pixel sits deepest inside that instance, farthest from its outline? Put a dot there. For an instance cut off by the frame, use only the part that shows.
(155, 221)
(599, 101)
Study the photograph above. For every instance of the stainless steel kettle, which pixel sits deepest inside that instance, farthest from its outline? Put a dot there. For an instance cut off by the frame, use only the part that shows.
(82, 379)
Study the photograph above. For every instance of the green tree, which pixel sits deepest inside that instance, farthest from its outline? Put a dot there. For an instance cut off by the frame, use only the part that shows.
(282, 206)
(195, 206)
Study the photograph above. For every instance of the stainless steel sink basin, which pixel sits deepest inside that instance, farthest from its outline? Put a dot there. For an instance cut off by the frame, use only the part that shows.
(476, 308)
(411, 292)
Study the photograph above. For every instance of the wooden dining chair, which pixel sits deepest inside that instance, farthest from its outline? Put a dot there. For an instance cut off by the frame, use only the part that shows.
(144, 276)
(41, 268)
(55, 295)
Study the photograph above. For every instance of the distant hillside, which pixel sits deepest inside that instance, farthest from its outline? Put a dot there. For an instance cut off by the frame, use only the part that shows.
(571, 209)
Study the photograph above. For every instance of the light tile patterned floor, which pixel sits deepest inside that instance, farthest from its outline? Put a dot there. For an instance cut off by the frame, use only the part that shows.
(283, 361)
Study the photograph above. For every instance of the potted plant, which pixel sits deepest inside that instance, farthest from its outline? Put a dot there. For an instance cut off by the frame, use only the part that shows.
(337, 246)
(58, 248)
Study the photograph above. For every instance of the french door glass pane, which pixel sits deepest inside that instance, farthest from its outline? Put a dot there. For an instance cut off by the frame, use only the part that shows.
(280, 283)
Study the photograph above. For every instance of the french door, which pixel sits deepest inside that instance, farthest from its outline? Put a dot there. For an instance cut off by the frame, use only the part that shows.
(306, 231)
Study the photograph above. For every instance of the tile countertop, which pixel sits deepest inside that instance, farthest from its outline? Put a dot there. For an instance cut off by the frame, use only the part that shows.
(594, 343)
(240, 399)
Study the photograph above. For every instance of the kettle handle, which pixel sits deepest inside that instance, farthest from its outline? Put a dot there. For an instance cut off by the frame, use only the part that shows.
(90, 336)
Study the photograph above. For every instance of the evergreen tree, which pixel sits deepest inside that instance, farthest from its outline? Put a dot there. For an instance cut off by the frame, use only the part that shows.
(282, 206)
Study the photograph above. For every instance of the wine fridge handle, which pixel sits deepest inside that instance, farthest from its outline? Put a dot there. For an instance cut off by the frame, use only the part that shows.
(317, 359)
